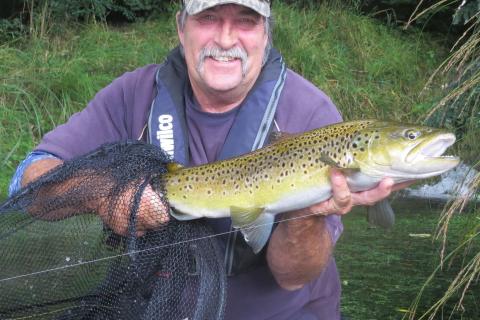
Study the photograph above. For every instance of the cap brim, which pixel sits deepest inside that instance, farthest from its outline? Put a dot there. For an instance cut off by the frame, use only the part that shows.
(261, 7)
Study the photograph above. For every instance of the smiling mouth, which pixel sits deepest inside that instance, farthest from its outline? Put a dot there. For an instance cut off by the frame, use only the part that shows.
(224, 59)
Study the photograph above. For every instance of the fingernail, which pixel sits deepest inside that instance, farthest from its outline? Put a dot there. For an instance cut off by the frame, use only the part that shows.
(336, 174)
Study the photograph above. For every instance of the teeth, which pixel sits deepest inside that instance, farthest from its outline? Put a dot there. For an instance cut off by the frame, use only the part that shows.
(223, 59)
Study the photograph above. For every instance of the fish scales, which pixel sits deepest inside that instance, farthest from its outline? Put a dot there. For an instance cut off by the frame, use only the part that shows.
(250, 179)
(293, 173)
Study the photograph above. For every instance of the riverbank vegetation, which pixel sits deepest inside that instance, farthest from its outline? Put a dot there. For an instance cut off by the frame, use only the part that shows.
(51, 69)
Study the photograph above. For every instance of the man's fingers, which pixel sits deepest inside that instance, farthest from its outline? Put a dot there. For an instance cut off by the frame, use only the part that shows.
(153, 212)
(403, 185)
(370, 197)
(341, 201)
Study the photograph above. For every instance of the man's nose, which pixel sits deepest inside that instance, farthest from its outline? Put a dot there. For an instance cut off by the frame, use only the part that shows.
(227, 36)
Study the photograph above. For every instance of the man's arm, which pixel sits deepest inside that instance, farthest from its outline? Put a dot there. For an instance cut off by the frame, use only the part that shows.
(300, 248)
(38, 168)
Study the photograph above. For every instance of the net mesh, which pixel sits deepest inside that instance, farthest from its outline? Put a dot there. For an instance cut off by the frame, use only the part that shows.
(78, 244)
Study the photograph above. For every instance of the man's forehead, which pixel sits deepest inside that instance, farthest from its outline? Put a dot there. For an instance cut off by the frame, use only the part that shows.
(261, 7)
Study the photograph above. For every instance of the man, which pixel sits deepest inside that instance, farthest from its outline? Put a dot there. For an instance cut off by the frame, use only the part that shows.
(216, 96)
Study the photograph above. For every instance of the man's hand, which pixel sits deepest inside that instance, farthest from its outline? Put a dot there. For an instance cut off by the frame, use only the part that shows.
(299, 249)
(342, 200)
(152, 211)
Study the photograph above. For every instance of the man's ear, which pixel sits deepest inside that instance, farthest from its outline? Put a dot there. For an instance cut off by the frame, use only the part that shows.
(179, 31)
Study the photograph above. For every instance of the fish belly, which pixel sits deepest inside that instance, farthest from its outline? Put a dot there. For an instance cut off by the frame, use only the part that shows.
(199, 212)
(300, 199)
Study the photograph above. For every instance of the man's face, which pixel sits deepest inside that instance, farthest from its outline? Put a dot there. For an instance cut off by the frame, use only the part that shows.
(224, 48)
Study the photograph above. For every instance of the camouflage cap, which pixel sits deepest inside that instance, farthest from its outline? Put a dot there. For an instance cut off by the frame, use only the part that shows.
(196, 6)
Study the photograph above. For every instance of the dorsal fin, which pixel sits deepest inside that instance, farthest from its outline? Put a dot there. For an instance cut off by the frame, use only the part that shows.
(277, 136)
(173, 166)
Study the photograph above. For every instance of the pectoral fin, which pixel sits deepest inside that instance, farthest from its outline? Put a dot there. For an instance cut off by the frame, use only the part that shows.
(381, 214)
(255, 225)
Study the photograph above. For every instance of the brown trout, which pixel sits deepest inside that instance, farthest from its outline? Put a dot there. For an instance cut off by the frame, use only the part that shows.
(293, 172)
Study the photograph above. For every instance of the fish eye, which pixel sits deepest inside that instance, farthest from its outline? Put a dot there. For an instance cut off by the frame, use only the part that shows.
(411, 134)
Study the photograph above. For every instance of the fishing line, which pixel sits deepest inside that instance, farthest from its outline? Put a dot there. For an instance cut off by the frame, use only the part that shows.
(152, 248)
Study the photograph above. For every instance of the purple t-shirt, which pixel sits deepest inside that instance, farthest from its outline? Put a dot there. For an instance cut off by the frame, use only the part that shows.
(120, 111)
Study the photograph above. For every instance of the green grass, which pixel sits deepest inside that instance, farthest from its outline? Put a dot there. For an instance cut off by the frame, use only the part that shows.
(44, 246)
(383, 271)
(368, 69)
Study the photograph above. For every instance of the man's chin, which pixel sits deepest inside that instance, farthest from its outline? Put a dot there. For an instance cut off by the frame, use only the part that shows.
(221, 84)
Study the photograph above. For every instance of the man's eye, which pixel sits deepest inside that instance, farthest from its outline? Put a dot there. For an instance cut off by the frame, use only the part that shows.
(207, 18)
(247, 21)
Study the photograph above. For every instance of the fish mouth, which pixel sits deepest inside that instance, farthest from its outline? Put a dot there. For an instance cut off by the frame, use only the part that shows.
(432, 149)
(428, 156)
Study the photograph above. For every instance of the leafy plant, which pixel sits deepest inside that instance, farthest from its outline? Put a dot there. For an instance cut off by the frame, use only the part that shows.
(462, 256)
(35, 17)
(460, 72)
(459, 109)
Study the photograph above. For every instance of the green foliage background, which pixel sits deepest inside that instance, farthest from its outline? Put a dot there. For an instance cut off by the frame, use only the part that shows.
(50, 69)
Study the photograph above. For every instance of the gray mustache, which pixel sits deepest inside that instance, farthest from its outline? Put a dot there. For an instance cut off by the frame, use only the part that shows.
(216, 53)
